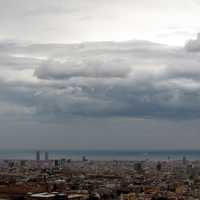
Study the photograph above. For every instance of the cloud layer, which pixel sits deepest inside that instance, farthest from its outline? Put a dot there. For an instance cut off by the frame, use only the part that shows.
(104, 79)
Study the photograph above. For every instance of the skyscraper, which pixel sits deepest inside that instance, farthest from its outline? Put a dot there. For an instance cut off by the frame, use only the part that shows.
(37, 155)
(46, 155)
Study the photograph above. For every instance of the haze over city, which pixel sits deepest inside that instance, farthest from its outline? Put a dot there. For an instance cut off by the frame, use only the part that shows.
(88, 74)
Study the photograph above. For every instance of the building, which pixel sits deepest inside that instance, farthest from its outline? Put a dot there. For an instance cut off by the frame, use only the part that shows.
(46, 155)
(46, 196)
(37, 155)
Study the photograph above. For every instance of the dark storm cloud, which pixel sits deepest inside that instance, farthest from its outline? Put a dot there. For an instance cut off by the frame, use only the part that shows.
(103, 79)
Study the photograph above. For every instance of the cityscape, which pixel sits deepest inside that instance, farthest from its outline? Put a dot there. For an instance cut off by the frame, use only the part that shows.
(99, 99)
(84, 179)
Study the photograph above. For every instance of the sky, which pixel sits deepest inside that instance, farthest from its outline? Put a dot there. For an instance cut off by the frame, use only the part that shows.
(90, 74)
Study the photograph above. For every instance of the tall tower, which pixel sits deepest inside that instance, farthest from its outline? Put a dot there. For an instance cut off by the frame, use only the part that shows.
(37, 155)
(46, 155)
(184, 160)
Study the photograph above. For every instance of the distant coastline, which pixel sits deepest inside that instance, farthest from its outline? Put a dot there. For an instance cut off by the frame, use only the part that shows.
(104, 154)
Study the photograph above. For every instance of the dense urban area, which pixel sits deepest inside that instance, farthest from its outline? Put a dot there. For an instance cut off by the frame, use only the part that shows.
(61, 179)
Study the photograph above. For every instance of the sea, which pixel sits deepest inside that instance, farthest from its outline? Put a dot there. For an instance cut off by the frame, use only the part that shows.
(77, 155)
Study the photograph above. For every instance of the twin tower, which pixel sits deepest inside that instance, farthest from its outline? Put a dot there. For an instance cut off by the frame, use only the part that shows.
(40, 153)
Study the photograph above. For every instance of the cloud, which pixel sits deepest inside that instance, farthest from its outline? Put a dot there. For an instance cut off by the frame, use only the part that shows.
(96, 68)
(136, 79)
(193, 45)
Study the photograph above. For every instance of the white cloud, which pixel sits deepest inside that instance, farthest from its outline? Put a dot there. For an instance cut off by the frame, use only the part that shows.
(78, 21)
